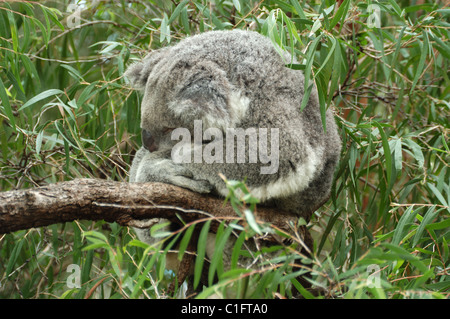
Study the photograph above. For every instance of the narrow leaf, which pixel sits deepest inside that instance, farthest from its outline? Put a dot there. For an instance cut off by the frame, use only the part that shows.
(403, 225)
(438, 194)
(340, 14)
(387, 153)
(427, 219)
(39, 141)
(40, 97)
(237, 5)
(423, 56)
(417, 151)
(178, 10)
(6, 106)
(252, 222)
(201, 251)
(185, 241)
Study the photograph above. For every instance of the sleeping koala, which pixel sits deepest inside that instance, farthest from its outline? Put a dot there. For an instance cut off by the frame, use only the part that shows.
(235, 106)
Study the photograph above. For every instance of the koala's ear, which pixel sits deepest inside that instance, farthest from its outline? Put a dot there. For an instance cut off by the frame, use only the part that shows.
(138, 73)
(203, 95)
(135, 75)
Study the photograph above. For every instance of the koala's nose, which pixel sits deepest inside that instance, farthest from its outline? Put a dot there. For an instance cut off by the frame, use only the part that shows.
(149, 141)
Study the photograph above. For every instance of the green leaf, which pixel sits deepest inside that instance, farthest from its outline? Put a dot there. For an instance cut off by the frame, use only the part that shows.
(397, 50)
(329, 55)
(340, 14)
(423, 56)
(13, 29)
(185, 241)
(17, 85)
(336, 74)
(185, 21)
(417, 151)
(439, 225)
(45, 34)
(308, 70)
(39, 137)
(137, 243)
(14, 256)
(159, 230)
(201, 252)
(398, 157)
(47, 21)
(305, 293)
(237, 249)
(164, 30)
(330, 226)
(299, 9)
(429, 216)
(92, 235)
(41, 96)
(292, 30)
(250, 218)
(217, 258)
(6, 106)
(52, 13)
(316, 26)
(438, 194)
(237, 5)
(95, 246)
(31, 70)
(87, 94)
(111, 45)
(75, 73)
(403, 225)
(178, 10)
(387, 153)
(143, 273)
(441, 46)
(396, 8)
(322, 91)
(400, 253)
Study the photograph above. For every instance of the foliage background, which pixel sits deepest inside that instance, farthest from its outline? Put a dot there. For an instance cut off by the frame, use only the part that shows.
(67, 112)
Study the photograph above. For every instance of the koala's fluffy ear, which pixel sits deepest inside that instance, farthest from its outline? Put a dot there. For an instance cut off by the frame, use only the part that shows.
(138, 73)
(203, 95)
(135, 75)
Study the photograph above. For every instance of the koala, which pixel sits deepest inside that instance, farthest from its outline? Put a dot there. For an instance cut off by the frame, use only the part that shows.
(221, 83)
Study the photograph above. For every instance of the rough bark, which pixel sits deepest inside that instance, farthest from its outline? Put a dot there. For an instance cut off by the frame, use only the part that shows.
(121, 202)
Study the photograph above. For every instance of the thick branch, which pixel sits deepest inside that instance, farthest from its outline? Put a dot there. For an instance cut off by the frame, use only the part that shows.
(124, 203)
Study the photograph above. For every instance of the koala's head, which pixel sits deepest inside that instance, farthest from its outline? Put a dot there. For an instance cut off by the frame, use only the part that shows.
(180, 87)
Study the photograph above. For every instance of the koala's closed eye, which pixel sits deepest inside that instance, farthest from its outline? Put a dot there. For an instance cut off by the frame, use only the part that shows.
(148, 141)
(167, 130)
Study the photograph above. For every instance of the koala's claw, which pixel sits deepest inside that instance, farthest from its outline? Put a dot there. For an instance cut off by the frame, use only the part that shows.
(198, 186)
(203, 186)
(150, 168)
(177, 170)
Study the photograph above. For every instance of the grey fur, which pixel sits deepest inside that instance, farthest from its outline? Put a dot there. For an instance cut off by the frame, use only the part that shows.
(235, 79)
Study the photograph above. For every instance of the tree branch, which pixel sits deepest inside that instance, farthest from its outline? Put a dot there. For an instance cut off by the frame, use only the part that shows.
(121, 202)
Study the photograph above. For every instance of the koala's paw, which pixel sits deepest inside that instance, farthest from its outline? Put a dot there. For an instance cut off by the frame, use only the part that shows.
(198, 186)
(166, 171)
(181, 176)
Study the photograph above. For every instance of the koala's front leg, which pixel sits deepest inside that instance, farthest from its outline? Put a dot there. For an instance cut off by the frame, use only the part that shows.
(159, 167)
